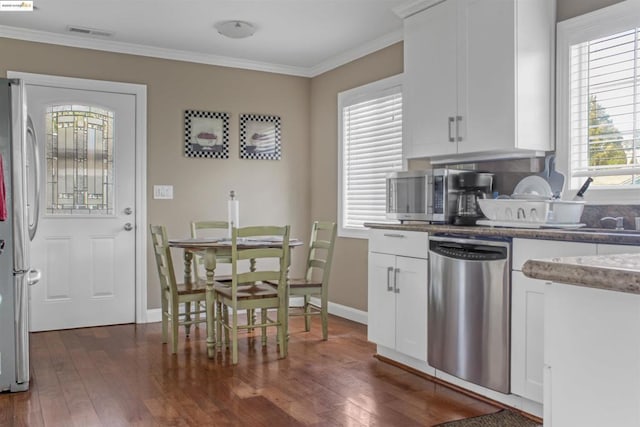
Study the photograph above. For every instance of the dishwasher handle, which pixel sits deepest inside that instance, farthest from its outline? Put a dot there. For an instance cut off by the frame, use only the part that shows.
(468, 251)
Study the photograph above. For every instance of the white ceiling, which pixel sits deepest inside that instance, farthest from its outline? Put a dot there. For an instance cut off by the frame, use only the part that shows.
(299, 37)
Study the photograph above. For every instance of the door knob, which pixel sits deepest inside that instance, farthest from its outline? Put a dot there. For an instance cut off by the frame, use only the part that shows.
(128, 211)
(128, 226)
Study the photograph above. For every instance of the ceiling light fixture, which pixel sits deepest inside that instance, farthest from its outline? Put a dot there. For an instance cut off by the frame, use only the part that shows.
(235, 29)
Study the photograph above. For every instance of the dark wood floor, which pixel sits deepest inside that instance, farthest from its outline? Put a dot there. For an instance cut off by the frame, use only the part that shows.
(122, 375)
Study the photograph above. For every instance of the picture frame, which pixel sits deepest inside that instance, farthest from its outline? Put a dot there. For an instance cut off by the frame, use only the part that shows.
(206, 134)
(260, 137)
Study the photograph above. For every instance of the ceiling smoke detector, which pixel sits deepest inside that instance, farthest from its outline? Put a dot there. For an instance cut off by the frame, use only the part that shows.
(235, 29)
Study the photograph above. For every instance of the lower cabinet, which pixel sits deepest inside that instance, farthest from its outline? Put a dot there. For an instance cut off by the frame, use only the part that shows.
(592, 357)
(528, 307)
(527, 336)
(527, 313)
(398, 302)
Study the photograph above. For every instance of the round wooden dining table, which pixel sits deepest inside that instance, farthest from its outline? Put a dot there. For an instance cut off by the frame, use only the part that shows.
(209, 249)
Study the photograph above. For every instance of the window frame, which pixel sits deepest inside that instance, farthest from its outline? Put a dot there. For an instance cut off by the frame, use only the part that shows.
(346, 98)
(600, 23)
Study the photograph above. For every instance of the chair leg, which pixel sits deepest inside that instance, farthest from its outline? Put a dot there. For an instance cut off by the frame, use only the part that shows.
(324, 315)
(174, 328)
(187, 318)
(225, 314)
(234, 337)
(250, 319)
(282, 332)
(263, 313)
(307, 313)
(218, 323)
(165, 319)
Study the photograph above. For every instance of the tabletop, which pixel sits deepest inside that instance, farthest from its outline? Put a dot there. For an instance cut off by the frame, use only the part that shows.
(244, 243)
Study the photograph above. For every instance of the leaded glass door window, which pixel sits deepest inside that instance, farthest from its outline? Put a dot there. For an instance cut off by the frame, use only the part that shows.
(79, 159)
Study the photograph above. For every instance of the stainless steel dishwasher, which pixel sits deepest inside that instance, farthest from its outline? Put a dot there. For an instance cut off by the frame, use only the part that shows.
(469, 310)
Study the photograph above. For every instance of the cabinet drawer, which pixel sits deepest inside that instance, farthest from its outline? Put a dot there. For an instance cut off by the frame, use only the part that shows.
(526, 249)
(406, 243)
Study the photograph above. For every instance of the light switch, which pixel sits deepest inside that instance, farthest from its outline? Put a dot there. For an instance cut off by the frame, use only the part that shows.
(163, 191)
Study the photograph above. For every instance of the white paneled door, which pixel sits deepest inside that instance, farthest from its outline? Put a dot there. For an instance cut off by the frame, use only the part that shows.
(85, 244)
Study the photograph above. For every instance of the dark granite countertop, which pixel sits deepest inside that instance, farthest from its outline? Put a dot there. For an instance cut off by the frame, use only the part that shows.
(606, 236)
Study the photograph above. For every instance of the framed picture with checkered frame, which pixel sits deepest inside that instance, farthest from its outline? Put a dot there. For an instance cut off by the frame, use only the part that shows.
(206, 134)
(260, 137)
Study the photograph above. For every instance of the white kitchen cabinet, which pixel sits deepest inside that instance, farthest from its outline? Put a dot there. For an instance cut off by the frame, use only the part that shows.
(592, 357)
(527, 313)
(397, 298)
(478, 78)
(604, 249)
(527, 336)
(430, 81)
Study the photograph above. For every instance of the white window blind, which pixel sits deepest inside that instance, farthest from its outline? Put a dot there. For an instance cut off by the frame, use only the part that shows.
(604, 128)
(371, 144)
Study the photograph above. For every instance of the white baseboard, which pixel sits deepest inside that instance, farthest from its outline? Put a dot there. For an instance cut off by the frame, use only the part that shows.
(154, 315)
(350, 313)
(346, 312)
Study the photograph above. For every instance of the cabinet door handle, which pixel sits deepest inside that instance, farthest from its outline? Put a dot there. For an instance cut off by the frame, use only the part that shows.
(458, 120)
(451, 138)
(393, 235)
(396, 289)
(389, 287)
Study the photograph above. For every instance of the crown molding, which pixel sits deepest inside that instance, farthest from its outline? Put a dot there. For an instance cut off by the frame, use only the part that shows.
(200, 58)
(150, 51)
(358, 52)
(407, 9)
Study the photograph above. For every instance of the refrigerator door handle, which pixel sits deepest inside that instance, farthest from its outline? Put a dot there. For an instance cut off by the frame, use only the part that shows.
(34, 276)
(33, 226)
(21, 255)
(21, 307)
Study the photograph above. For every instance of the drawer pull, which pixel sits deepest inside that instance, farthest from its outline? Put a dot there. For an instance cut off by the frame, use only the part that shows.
(393, 235)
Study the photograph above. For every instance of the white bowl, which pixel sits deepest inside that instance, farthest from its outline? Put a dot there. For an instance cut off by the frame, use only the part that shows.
(564, 211)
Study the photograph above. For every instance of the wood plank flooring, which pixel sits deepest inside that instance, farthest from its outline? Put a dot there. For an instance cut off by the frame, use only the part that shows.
(124, 376)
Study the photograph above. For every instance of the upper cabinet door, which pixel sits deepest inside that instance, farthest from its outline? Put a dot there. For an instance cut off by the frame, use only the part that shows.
(430, 80)
(486, 75)
(478, 79)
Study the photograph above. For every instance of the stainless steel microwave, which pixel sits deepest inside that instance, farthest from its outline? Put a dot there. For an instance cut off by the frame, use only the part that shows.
(423, 195)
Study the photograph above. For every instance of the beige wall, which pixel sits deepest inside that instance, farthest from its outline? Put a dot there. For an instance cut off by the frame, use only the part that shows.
(299, 188)
(348, 284)
(270, 192)
(570, 8)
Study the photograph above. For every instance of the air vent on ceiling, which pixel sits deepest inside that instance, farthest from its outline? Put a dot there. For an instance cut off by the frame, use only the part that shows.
(89, 31)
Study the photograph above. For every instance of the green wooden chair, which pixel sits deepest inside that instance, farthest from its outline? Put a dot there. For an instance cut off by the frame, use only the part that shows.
(173, 294)
(214, 229)
(316, 281)
(209, 229)
(248, 290)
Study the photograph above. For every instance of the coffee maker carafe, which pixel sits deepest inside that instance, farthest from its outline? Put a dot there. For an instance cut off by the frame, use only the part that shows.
(472, 186)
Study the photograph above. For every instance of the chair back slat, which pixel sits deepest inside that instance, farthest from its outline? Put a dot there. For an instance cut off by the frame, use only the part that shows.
(259, 253)
(320, 255)
(164, 262)
(263, 259)
(207, 229)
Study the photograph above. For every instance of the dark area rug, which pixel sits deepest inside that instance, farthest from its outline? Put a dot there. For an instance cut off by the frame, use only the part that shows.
(503, 418)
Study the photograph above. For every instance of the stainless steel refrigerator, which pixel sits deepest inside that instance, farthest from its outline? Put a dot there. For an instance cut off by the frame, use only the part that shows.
(19, 199)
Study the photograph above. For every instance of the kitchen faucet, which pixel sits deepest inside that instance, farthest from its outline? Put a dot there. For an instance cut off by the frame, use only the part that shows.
(618, 219)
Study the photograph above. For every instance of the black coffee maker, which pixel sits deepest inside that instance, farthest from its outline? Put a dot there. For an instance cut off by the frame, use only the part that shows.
(472, 186)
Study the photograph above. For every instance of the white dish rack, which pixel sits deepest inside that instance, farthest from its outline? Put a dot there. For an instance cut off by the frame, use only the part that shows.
(531, 212)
